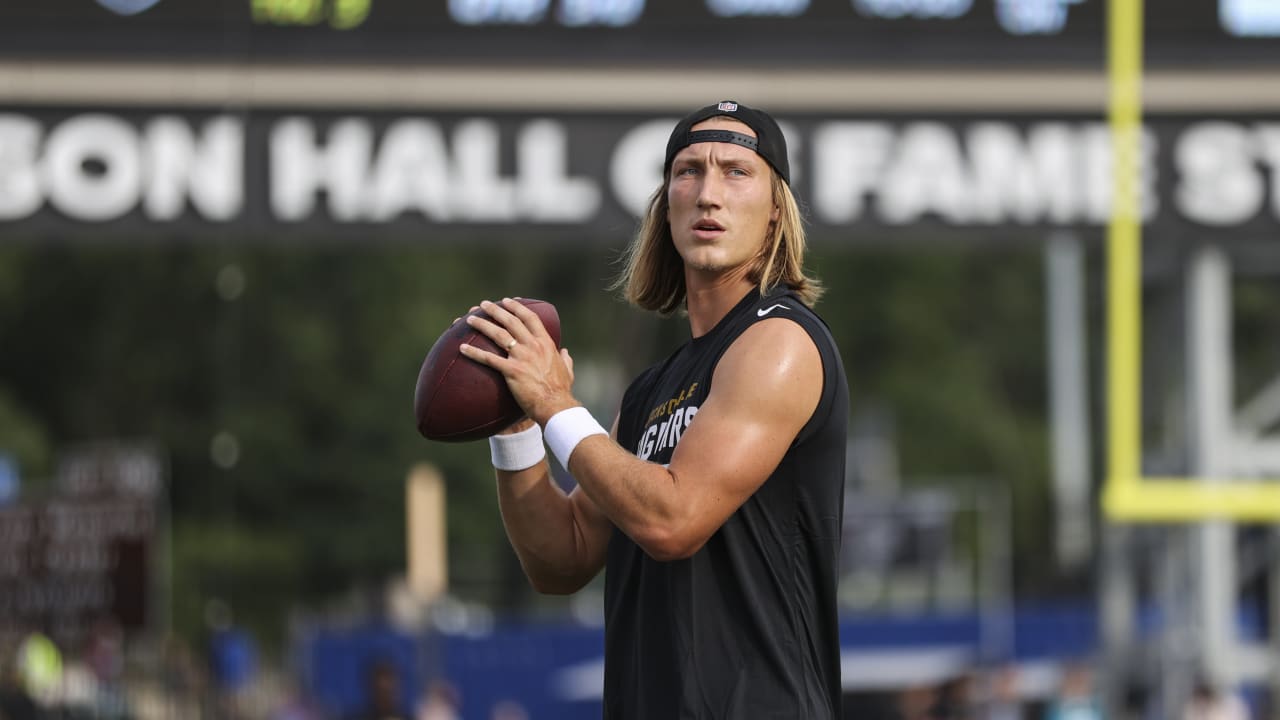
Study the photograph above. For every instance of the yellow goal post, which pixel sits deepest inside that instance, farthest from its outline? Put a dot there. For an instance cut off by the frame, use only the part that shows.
(1128, 495)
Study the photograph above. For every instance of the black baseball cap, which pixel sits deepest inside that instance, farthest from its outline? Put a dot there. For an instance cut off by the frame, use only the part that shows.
(768, 142)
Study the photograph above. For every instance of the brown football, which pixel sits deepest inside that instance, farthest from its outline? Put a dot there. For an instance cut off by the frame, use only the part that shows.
(457, 399)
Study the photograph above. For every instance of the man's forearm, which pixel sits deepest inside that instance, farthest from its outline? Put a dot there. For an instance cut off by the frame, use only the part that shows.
(544, 530)
(642, 498)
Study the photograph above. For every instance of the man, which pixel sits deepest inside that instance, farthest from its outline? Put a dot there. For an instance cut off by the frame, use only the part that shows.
(1210, 701)
(715, 504)
(381, 693)
(1076, 698)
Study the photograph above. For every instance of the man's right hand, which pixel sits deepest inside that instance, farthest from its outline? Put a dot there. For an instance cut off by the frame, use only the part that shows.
(539, 374)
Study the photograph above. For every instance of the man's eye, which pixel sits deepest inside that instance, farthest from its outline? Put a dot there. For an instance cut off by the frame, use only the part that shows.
(687, 171)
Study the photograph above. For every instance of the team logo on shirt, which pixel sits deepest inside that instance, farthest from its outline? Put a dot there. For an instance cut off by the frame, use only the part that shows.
(666, 423)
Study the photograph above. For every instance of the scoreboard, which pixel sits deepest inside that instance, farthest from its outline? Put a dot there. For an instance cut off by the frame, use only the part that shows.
(859, 33)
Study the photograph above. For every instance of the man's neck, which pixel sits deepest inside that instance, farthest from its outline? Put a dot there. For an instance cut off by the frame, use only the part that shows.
(709, 302)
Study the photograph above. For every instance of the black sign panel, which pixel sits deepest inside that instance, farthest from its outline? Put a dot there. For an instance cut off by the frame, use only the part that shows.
(586, 178)
(87, 553)
(69, 563)
(714, 32)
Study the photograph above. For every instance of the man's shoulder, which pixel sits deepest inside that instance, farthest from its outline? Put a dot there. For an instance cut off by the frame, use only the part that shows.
(782, 303)
(771, 346)
(786, 306)
(778, 304)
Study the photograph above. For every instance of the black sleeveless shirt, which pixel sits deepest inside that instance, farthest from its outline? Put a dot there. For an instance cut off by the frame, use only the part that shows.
(747, 627)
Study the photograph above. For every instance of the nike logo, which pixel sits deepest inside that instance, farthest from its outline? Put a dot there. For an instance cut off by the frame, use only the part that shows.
(771, 308)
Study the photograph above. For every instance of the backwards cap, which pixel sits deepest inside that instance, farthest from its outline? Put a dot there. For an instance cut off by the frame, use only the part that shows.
(768, 142)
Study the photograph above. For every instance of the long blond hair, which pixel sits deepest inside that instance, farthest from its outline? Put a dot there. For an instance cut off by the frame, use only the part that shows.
(652, 277)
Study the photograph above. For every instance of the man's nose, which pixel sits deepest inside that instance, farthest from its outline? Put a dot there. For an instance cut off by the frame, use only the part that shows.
(709, 191)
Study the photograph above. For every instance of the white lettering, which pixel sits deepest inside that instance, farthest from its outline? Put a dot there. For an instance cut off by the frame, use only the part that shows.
(664, 432)
(926, 177)
(98, 168)
(848, 167)
(411, 173)
(677, 426)
(20, 192)
(1268, 135)
(1097, 180)
(1095, 152)
(300, 169)
(547, 193)
(481, 192)
(93, 167)
(646, 442)
(635, 170)
(415, 170)
(664, 435)
(209, 171)
(1219, 184)
(1027, 182)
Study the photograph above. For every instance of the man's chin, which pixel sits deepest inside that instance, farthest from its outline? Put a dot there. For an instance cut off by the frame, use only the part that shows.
(707, 261)
(721, 271)
(708, 267)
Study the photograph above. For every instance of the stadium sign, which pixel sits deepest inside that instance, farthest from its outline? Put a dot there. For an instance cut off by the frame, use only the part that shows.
(188, 174)
(91, 549)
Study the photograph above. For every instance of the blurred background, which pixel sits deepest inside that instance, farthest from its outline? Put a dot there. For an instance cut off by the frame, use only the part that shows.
(230, 230)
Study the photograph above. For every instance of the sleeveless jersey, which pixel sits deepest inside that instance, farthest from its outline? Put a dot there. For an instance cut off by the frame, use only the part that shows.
(747, 626)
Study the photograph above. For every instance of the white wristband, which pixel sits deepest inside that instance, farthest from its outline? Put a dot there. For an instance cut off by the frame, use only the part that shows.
(569, 427)
(517, 451)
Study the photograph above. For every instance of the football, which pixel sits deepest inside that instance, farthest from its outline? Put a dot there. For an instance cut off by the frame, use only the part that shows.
(457, 399)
